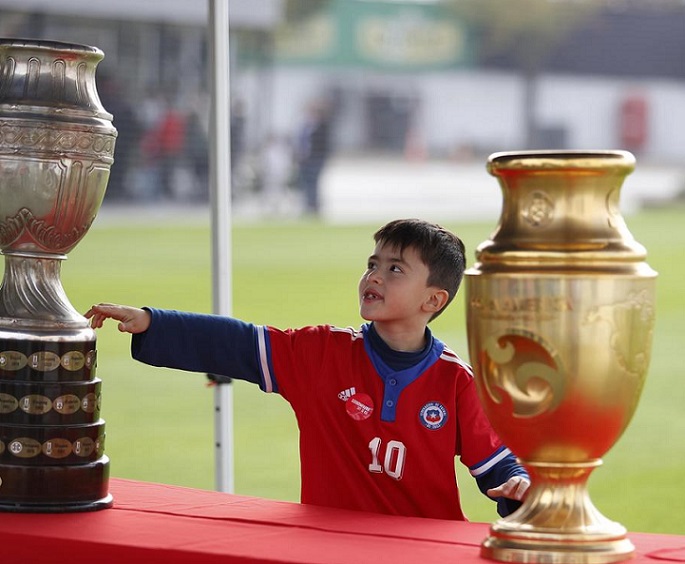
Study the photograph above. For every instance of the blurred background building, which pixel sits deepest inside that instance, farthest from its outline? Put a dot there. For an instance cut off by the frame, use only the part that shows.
(324, 88)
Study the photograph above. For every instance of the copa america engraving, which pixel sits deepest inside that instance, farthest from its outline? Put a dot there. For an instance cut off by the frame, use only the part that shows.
(56, 149)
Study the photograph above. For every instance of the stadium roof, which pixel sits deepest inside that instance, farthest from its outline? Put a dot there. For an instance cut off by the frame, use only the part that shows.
(242, 12)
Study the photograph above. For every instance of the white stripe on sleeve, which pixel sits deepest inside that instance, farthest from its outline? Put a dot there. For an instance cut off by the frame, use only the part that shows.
(489, 463)
(263, 360)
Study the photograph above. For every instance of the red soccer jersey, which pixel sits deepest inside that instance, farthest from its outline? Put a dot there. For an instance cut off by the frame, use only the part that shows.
(372, 438)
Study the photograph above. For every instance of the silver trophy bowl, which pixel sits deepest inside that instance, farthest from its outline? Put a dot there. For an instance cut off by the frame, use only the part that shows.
(56, 149)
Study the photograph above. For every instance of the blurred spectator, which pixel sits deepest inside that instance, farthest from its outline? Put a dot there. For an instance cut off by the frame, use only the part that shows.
(237, 133)
(171, 136)
(276, 172)
(197, 155)
(146, 184)
(128, 135)
(312, 152)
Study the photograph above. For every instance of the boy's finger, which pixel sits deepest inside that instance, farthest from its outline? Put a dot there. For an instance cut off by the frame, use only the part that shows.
(496, 492)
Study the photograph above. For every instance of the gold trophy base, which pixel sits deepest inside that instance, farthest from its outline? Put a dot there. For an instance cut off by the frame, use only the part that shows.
(557, 522)
(557, 550)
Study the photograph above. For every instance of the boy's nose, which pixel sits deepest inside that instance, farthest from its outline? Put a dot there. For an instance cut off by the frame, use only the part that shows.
(374, 277)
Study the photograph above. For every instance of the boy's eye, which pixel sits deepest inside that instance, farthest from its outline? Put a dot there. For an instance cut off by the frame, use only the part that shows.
(395, 268)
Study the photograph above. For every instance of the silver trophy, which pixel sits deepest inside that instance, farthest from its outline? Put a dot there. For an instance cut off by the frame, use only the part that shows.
(56, 150)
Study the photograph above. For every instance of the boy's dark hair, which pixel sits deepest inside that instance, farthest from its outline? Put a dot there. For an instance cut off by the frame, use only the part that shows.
(440, 250)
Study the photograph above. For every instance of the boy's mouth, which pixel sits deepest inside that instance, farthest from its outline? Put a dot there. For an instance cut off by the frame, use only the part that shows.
(371, 295)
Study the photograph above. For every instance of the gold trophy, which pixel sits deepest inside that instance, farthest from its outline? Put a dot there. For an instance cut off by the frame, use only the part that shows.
(560, 318)
(56, 149)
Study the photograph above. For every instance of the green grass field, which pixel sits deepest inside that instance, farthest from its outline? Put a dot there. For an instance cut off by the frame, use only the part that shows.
(160, 424)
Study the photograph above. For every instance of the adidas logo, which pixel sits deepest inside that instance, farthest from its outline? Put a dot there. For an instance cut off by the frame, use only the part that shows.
(347, 394)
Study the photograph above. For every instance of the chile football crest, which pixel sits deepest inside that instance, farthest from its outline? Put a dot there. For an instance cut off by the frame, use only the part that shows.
(433, 415)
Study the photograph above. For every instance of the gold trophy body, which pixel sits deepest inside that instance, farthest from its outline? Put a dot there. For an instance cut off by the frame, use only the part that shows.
(56, 149)
(560, 316)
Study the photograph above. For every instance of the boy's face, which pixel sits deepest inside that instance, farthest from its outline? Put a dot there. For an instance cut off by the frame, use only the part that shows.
(394, 286)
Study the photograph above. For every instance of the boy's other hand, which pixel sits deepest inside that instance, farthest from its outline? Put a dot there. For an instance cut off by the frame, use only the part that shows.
(131, 319)
(514, 488)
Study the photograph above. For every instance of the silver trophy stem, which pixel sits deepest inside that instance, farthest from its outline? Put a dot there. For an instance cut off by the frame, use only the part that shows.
(32, 296)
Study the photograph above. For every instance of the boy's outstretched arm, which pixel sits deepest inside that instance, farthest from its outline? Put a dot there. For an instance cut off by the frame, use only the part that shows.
(131, 319)
(195, 342)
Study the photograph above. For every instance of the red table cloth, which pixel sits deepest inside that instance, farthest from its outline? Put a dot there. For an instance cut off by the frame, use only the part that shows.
(170, 524)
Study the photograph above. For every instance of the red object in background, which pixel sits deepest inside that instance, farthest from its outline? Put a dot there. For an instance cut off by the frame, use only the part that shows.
(633, 122)
(172, 133)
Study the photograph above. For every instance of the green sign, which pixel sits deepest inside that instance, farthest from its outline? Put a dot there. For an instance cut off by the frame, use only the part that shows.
(376, 35)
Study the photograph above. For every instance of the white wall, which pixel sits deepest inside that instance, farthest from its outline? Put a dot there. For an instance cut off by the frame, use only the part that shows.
(472, 108)
(667, 120)
(589, 108)
(481, 109)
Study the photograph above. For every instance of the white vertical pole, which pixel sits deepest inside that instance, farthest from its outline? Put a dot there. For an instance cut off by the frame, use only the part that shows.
(220, 190)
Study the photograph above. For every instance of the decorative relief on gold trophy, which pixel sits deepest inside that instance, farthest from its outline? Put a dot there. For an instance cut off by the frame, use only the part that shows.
(560, 317)
(56, 149)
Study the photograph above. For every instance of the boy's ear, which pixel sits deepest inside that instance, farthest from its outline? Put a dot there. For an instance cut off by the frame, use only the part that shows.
(436, 300)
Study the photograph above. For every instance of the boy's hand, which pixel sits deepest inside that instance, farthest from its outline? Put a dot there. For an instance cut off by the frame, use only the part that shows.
(514, 488)
(131, 319)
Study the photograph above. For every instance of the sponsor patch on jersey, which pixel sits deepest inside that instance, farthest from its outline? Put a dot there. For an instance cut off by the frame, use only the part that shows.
(347, 394)
(359, 406)
(433, 415)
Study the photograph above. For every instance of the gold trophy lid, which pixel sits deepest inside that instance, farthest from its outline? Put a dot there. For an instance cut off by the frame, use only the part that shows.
(555, 162)
(561, 210)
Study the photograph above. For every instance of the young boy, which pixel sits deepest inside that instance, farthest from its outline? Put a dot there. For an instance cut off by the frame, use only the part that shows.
(382, 411)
